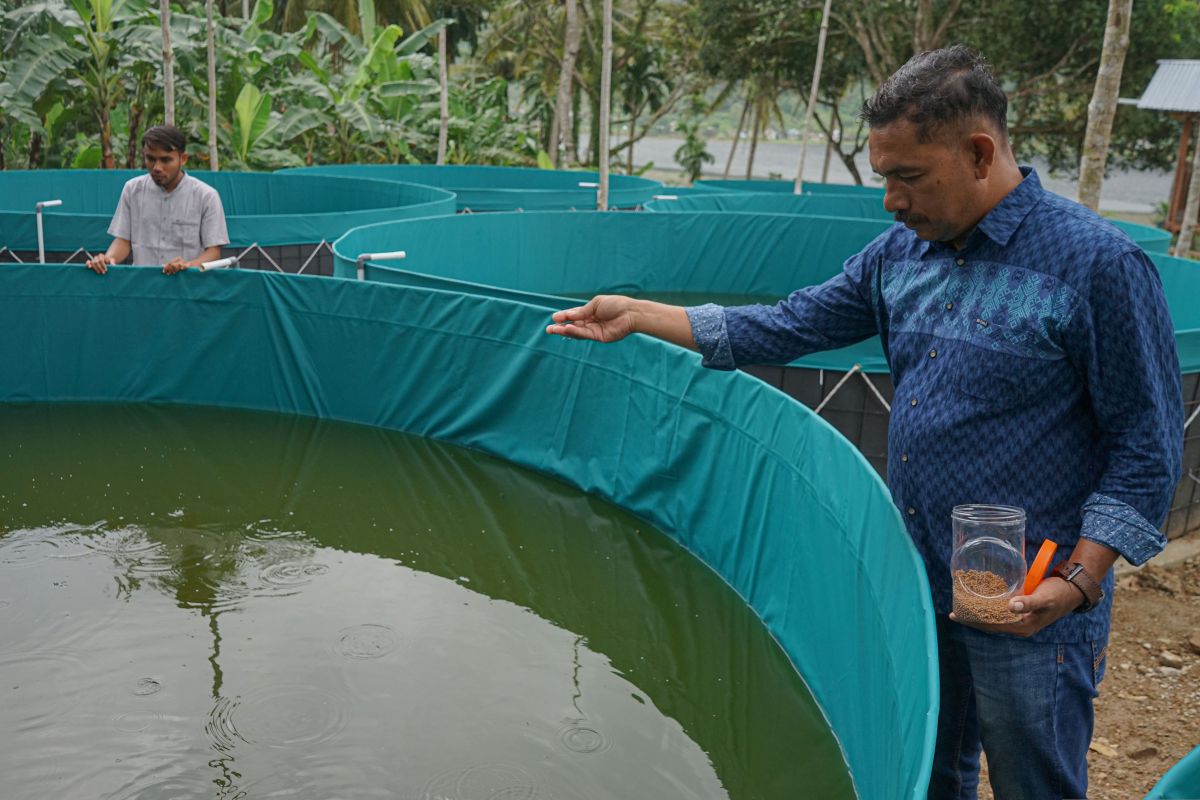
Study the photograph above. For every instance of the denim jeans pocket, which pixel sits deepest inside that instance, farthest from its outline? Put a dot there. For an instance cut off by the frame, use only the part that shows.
(1099, 662)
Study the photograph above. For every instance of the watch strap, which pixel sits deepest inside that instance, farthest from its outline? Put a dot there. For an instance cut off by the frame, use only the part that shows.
(1074, 573)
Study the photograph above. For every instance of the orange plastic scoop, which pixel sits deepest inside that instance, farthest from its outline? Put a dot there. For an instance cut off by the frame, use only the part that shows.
(1041, 563)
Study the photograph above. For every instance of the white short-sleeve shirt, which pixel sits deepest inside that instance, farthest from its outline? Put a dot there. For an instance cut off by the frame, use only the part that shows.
(162, 225)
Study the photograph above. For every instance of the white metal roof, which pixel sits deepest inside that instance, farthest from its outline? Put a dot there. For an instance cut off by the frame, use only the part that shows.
(1174, 87)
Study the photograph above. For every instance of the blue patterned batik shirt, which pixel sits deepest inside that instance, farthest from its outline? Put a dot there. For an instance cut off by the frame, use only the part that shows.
(1036, 367)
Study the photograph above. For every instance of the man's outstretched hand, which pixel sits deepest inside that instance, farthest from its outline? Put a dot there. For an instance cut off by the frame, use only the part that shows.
(605, 318)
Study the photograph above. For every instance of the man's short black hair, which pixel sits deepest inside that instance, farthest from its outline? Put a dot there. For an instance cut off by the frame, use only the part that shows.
(938, 89)
(165, 137)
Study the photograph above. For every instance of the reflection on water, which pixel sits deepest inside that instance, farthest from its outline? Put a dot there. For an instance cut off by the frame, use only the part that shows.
(202, 603)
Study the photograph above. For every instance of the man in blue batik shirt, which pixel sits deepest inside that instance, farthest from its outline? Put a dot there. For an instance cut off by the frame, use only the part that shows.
(1034, 364)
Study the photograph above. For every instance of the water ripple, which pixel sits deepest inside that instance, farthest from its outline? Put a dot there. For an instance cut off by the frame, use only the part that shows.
(288, 715)
(121, 543)
(366, 641)
(219, 726)
(482, 782)
(30, 546)
(35, 675)
(291, 574)
(135, 721)
(582, 739)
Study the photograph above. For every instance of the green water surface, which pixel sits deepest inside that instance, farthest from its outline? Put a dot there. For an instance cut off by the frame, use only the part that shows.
(200, 603)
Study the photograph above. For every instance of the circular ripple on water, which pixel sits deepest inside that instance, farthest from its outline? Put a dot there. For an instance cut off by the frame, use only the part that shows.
(129, 541)
(135, 721)
(291, 574)
(288, 715)
(219, 726)
(582, 739)
(366, 641)
(482, 782)
(265, 530)
(24, 548)
(177, 788)
(4, 604)
(37, 672)
(147, 686)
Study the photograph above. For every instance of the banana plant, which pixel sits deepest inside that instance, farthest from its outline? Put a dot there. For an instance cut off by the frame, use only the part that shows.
(79, 46)
(251, 116)
(365, 102)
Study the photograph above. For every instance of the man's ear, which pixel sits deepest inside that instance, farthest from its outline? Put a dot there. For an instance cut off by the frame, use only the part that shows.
(983, 153)
(183, 158)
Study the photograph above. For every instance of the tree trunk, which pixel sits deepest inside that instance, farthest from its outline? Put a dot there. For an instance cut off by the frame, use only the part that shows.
(35, 150)
(757, 124)
(572, 154)
(106, 149)
(213, 157)
(443, 98)
(848, 160)
(137, 110)
(812, 98)
(632, 131)
(168, 65)
(1191, 211)
(1103, 106)
(737, 137)
(605, 103)
(923, 26)
(566, 84)
(593, 130)
(834, 127)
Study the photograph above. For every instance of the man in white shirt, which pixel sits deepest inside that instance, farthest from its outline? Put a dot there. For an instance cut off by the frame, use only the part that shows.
(166, 216)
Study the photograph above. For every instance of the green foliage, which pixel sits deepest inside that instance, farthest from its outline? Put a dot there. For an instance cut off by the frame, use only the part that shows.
(87, 158)
(692, 155)
(307, 81)
(482, 130)
(326, 92)
(252, 113)
(1047, 55)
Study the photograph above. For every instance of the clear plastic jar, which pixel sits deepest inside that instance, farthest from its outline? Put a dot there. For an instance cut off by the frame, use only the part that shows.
(988, 563)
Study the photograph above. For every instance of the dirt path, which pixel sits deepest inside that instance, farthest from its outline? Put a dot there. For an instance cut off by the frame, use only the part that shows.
(1148, 713)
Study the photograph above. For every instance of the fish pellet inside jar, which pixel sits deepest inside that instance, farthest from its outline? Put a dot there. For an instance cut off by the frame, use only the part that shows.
(982, 596)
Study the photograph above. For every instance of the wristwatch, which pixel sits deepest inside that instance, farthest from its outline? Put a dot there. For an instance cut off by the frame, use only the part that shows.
(1074, 574)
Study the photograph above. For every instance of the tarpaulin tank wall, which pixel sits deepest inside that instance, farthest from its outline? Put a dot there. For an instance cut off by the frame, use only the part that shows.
(753, 484)
(1182, 781)
(866, 204)
(550, 258)
(286, 221)
(505, 188)
(569, 254)
(784, 187)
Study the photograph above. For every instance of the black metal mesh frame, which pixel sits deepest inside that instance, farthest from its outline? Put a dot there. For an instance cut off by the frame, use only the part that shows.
(308, 259)
(859, 416)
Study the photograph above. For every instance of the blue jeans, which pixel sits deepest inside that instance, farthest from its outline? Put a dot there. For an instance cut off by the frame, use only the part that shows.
(1028, 705)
